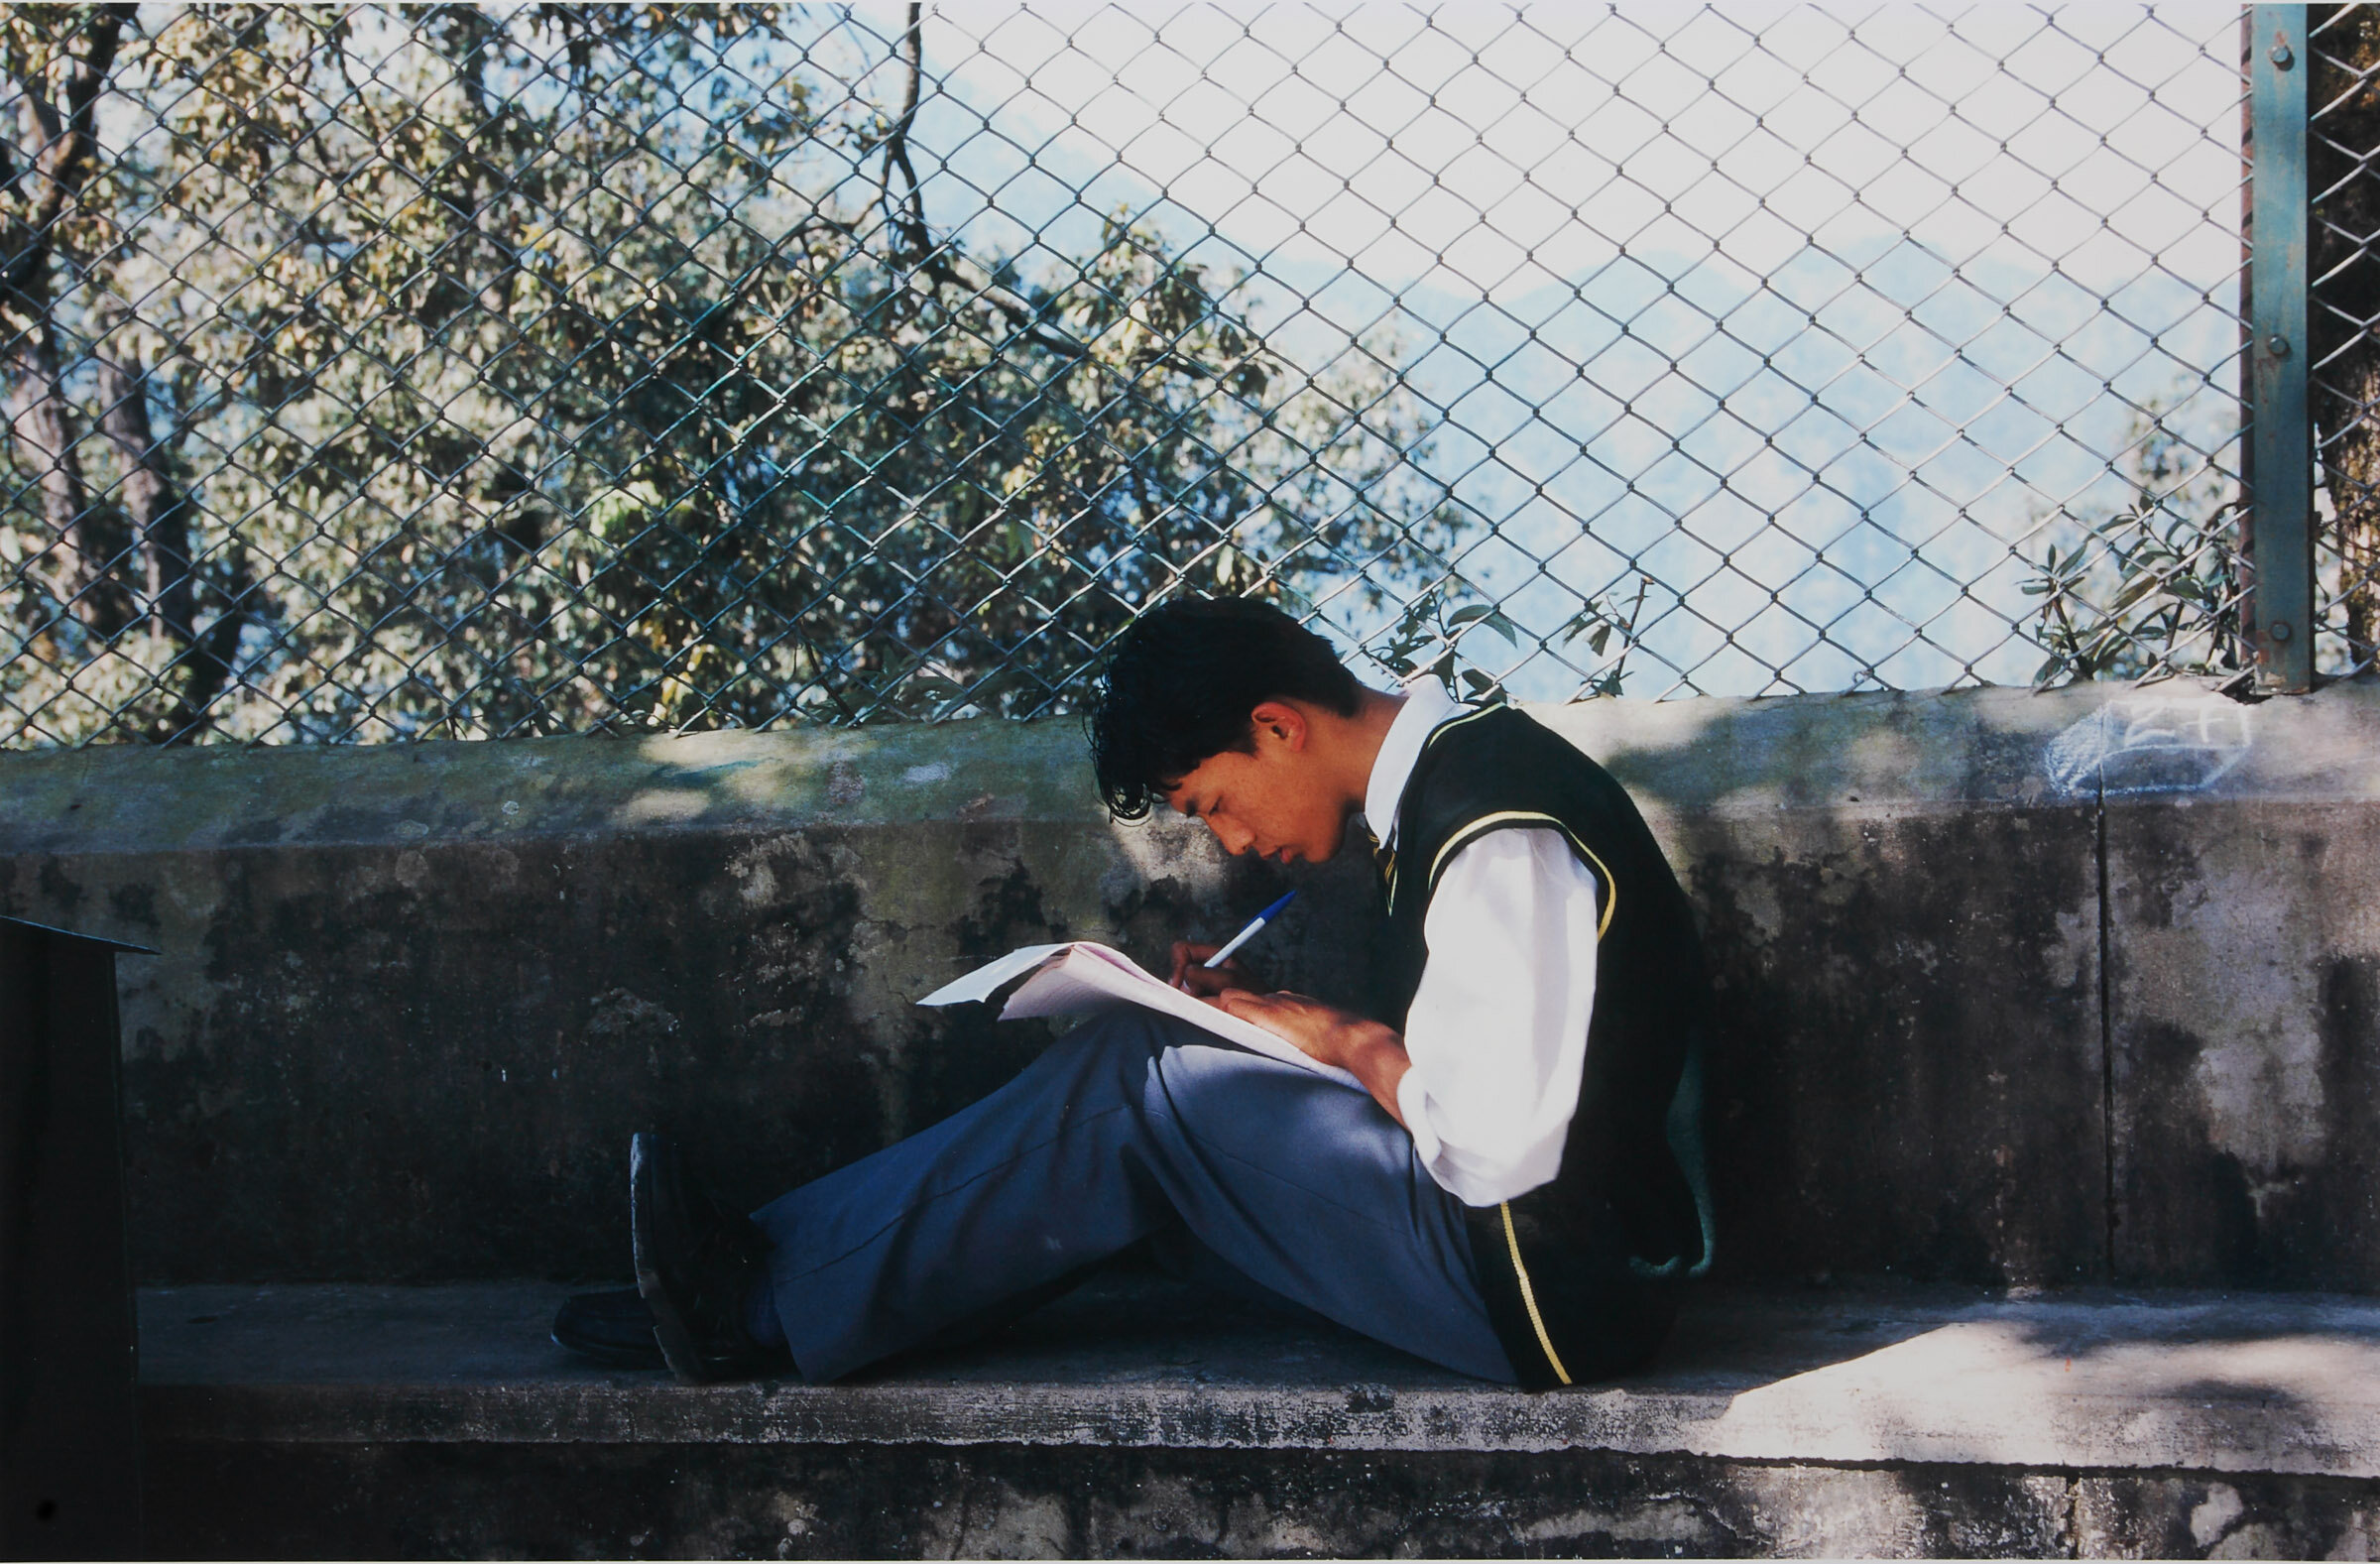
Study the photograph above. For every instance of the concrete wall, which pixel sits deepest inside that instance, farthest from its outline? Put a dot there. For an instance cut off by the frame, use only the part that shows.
(2015, 987)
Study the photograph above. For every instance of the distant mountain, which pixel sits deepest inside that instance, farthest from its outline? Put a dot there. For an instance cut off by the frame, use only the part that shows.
(1858, 440)
(1874, 423)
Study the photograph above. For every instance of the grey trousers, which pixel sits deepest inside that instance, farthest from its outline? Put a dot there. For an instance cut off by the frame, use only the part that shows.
(1135, 1125)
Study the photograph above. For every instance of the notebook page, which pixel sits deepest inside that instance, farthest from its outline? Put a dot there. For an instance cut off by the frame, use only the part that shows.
(1089, 977)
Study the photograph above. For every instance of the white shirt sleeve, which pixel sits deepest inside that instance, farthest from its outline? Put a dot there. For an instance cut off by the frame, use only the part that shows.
(1497, 1030)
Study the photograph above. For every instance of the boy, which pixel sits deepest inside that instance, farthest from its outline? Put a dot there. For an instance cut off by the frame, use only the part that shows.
(1518, 1196)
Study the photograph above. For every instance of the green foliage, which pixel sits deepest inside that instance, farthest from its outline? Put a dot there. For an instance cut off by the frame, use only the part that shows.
(1429, 626)
(563, 369)
(1427, 638)
(1598, 624)
(2151, 589)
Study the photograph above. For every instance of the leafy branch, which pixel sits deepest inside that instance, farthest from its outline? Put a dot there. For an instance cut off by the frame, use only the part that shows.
(1428, 626)
(1598, 623)
(2152, 588)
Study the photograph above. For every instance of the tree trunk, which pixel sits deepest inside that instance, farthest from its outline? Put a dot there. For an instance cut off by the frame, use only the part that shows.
(57, 160)
(211, 657)
(92, 539)
(159, 517)
(160, 520)
(2344, 312)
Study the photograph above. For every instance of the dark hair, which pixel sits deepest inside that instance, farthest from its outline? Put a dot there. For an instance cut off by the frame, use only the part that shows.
(1180, 685)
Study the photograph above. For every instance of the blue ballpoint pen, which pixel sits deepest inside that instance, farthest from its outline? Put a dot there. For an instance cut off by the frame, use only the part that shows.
(1245, 935)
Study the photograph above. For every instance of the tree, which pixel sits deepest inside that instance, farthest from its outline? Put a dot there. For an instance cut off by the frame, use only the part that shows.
(454, 371)
(2344, 101)
(2155, 588)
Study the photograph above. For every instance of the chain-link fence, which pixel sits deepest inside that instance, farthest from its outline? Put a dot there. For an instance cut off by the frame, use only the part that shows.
(2343, 137)
(379, 372)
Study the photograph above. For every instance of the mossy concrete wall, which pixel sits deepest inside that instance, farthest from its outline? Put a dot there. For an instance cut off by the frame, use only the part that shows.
(425, 1501)
(2014, 987)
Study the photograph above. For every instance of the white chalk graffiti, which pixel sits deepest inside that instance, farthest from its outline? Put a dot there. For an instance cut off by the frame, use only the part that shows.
(2151, 744)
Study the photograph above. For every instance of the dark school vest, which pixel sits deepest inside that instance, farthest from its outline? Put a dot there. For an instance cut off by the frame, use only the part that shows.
(1580, 1272)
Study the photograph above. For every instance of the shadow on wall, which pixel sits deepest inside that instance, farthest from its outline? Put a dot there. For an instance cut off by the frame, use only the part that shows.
(2024, 988)
(1901, 915)
(413, 1001)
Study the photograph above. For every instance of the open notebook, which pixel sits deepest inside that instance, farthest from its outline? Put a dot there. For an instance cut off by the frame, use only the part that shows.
(1082, 976)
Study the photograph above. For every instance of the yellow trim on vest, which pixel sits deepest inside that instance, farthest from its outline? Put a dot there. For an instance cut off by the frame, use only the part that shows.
(1528, 1295)
(1475, 830)
(1472, 715)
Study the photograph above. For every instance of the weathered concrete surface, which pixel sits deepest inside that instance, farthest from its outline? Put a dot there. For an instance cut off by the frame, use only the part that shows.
(2244, 927)
(2275, 1382)
(1142, 1417)
(413, 999)
(1902, 912)
(429, 1501)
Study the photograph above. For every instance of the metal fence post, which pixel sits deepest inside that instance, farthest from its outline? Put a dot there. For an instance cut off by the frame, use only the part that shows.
(2281, 493)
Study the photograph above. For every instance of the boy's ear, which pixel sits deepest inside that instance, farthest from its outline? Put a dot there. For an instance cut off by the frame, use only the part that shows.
(1280, 723)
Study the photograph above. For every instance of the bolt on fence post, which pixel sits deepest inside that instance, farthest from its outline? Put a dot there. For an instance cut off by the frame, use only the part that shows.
(2281, 471)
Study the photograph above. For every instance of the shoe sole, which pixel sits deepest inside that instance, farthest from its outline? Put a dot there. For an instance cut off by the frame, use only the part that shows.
(647, 1359)
(669, 1331)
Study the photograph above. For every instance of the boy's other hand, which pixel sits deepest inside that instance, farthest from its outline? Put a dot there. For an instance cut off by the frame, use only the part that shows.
(1191, 974)
(1324, 1031)
(1372, 1052)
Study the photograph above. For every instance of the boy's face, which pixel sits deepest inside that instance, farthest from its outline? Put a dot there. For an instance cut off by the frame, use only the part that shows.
(1277, 803)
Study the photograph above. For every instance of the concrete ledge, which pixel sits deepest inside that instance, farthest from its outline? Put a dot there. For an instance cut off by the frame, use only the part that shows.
(2093, 1381)
(2079, 987)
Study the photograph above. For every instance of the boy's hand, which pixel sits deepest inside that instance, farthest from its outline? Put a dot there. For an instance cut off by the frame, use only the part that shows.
(1372, 1052)
(1322, 1031)
(1191, 975)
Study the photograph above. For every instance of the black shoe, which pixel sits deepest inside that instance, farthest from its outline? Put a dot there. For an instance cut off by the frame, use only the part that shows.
(696, 1264)
(613, 1328)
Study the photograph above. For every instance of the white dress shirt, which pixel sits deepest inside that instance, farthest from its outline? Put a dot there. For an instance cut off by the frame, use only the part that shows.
(1497, 1030)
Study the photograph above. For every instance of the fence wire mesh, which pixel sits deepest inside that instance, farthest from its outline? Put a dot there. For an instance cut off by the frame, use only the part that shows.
(2343, 312)
(381, 372)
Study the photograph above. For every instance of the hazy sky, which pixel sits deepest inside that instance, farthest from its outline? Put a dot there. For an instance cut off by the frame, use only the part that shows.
(2008, 228)
(1489, 153)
